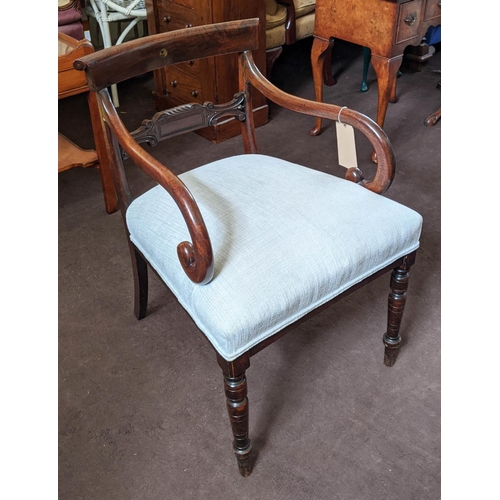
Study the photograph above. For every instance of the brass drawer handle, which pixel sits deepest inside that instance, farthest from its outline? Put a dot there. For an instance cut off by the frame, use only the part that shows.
(167, 19)
(189, 25)
(411, 18)
(194, 93)
(173, 83)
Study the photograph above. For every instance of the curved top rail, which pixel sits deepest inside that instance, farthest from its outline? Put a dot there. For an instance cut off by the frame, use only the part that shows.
(133, 58)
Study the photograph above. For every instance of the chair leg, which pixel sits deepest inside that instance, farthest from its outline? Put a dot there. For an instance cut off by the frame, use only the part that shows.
(235, 387)
(433, 118)
(140, 270)
(397, 300)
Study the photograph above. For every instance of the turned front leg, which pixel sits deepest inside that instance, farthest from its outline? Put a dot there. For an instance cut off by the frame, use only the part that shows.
(397, 300)
(237, 407)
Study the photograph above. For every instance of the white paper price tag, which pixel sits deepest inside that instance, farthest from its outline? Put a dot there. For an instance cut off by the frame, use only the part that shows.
(346, 145)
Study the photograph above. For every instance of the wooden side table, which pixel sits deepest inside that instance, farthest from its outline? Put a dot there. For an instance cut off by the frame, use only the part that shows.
(72, 82)
(386, 27)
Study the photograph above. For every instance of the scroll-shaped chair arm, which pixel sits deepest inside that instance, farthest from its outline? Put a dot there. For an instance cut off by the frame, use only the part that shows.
(384, 174)
(196, 258)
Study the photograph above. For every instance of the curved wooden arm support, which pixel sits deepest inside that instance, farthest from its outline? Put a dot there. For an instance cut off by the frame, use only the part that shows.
(196, 258)
(384, 174)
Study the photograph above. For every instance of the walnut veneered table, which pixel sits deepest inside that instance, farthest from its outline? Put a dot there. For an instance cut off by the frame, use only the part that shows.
(72, 82)
(386, 27)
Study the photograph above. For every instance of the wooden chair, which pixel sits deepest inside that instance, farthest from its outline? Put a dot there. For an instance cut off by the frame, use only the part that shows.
(251, 245)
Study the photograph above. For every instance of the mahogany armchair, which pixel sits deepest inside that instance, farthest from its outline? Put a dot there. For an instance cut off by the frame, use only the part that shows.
(288, 238)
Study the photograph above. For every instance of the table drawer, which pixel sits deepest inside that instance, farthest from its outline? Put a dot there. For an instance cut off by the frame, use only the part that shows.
(409, 21)
(71, 82)
(183, 86)
(174, 17)
(191, 68)
(432, 9)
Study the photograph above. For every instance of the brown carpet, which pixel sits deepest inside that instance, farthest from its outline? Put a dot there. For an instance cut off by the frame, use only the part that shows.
(141, 406)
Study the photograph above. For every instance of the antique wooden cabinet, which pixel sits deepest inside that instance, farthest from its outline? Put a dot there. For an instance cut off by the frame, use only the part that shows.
(215, 79)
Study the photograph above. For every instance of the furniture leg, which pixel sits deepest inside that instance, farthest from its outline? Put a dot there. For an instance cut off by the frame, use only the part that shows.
(393, 97)
(140, 271)
(271, 56)
(386, 70)
(397, 300)
(367, 55)
(235, 387)
(106, 31)
(114, 94)
(433, 118)
(108, 188)
(328, 78)
(135, 27)
(319, 51)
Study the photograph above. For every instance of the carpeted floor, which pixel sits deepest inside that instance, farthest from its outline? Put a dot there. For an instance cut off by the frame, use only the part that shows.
(141, 406)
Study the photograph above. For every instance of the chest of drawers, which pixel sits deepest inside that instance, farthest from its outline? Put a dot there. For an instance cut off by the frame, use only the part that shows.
(214, 79)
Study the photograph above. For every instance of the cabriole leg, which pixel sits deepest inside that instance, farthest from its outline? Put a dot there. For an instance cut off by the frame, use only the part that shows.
(397, 300)
(367, 56)
(321, 50)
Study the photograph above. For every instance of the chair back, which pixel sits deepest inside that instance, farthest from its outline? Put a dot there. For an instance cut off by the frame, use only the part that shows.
(136, 57)
(116, 64)
(119, 63)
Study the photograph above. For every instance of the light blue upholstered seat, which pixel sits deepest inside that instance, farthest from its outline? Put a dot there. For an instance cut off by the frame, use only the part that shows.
(336, 234)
